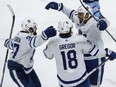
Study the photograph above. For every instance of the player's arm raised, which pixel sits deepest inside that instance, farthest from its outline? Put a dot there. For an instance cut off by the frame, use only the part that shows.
(39, 39)
(70, 13)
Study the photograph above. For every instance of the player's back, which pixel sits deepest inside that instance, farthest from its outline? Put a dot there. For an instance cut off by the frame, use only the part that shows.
(69, 59)
(22, 52)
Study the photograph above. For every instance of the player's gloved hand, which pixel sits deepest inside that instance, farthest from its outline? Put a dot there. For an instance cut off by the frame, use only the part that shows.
(102, 25)
(111, 54)
(80, 32)
(54, 5)
(6, 42)
(49, 32)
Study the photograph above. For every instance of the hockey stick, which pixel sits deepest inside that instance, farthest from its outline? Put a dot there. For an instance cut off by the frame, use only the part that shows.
(97, 20)
(92, 71)
(97, 67)
(13, 20)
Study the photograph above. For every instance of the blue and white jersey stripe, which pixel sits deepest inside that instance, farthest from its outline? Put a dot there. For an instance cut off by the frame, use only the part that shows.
(94, 51)
(9, 44)
(47, 56)
(32, 42)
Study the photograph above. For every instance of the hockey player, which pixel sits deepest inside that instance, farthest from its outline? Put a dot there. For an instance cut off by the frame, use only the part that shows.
(68, 50)
(20, 63)
(90, 28)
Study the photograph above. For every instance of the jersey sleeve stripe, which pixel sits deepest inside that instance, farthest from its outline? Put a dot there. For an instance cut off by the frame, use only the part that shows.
(11, 45)
(44, 37)
(87, 55)
(96, 52)
(32, 42)
(45, 53)
(92, 49)
(6, 43)
(71, 13)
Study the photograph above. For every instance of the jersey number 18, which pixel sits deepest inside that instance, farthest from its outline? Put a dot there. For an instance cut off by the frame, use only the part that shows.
(69, 59)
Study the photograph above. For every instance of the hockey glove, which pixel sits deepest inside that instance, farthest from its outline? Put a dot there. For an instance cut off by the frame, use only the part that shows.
(54, 5)
(49, 32)
(9, 44)
(80, 32)
(6, 42)
(102, 25)
(111, 54)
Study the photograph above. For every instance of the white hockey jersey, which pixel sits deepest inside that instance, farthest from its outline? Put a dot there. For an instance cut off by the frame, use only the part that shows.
(68, 53)
(23, 48)
(89, 29)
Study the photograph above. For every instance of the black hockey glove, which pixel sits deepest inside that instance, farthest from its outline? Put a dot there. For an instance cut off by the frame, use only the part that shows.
(102, 25)
(54, 5)
(49, 32)
(111, 54)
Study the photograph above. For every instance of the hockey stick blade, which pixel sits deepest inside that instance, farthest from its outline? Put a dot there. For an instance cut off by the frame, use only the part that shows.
(13, 15)
(13, 20)
(97, 20)
(10, 8)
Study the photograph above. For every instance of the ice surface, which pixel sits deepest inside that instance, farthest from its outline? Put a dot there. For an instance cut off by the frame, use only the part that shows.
(46, 69)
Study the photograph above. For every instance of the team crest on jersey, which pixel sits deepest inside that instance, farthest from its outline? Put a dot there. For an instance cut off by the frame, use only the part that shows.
(29, 38)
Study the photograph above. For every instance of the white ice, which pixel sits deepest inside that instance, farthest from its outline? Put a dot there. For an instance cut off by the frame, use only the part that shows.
(46, 69)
